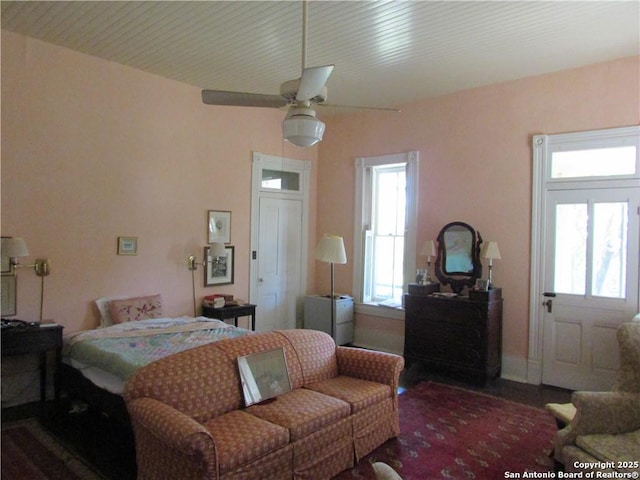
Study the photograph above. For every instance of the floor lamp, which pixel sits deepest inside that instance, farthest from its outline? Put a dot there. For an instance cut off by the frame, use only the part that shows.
(330, 249)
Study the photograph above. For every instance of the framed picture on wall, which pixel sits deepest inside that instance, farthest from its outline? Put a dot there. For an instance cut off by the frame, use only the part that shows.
(6, 266)
(127, 245)
(218, 271)
(219, 226)
(8, 294)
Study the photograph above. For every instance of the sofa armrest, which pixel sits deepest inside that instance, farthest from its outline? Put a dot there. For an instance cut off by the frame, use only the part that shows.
(606, 412)
(370, 365)
(600, 412)
(162, 432)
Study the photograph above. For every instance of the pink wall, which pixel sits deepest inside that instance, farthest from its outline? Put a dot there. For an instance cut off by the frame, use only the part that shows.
(475, 164)
(92, 150)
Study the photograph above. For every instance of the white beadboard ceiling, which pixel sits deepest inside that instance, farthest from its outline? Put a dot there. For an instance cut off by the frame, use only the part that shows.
(386, 53)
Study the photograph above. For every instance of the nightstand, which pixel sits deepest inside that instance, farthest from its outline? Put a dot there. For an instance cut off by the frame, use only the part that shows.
(232, 311)
(36, 339)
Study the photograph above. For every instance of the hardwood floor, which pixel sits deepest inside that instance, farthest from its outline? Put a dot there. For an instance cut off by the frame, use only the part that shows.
(110, 447)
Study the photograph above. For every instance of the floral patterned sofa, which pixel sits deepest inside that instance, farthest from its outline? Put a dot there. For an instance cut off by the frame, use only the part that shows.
(604, 434)
(190, 422)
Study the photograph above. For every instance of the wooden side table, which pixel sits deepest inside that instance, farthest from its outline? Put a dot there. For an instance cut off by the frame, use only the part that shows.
(232, 311)
(40, 340)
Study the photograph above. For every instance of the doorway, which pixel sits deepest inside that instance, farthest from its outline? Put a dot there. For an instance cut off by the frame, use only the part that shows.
(279, 239)
(585, 242)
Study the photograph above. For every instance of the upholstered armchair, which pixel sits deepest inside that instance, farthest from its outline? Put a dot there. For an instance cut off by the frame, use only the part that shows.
(606, 426)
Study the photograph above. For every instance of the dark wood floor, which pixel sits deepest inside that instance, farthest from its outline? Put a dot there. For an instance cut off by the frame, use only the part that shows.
(110, 447)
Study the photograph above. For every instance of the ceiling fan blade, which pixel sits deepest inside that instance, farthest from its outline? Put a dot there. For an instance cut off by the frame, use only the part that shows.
(358, 107)
(242, 99)
(312, 81)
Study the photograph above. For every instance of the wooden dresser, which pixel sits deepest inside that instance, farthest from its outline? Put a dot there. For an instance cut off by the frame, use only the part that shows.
(455, 335)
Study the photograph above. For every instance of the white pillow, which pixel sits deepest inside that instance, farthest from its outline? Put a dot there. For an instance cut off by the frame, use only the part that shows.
(384, 472)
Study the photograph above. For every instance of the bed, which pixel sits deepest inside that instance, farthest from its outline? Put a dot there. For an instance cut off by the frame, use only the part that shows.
(133, 333)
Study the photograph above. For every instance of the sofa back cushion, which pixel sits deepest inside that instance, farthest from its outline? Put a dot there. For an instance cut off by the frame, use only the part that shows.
(237, 347)
(316, 353)
(202, 382)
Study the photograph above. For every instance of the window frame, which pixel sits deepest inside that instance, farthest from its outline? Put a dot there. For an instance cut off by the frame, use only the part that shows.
(362, 217)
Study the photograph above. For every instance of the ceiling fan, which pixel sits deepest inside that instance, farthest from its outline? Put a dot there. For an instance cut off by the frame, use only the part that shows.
(301, 127)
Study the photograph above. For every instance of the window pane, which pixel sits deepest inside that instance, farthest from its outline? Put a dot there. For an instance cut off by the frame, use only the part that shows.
(390, 199)
(388, 271)
(280, 180)
(601, 162)
(609, 249)
(571, 249)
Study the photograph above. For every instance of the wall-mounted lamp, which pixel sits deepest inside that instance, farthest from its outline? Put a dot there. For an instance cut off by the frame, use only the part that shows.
(428, 250)
(16, 247)
(216, 250)
(330, 249)
(490, 251)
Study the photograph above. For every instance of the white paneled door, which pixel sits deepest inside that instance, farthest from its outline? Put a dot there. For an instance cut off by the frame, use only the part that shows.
(279, 238)
(591, 283)
(279, 262)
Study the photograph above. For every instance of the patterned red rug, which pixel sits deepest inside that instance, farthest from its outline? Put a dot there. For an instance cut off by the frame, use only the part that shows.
(452, 433)
(30, 453)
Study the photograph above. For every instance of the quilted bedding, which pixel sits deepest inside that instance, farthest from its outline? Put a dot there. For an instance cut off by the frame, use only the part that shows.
(116, 352)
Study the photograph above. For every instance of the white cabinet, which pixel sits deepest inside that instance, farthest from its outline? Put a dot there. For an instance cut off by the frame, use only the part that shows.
(317, 316)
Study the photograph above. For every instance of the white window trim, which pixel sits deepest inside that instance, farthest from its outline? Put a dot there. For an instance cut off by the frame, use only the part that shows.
(361, 219)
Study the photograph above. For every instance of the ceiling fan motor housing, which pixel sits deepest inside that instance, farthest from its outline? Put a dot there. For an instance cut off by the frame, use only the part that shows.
(289, 90)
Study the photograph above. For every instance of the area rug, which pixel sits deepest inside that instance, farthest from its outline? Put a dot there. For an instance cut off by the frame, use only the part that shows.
(30, 453)
(453, 433)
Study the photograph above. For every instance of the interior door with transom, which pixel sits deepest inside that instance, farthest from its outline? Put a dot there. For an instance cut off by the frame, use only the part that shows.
(590, 285)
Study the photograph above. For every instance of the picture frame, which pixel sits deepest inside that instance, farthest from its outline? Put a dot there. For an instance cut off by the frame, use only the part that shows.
(264, 376)
(8, 295)
(218, 272)
(127, 245)
(5, 266)
(481, 285)
(218, 226)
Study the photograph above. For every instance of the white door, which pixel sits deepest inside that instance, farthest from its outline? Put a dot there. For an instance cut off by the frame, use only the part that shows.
(590, 283)
(279, 238)
(279, 259)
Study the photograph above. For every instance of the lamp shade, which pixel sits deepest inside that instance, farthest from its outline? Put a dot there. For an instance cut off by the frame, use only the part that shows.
(14, 247)
(217, 250)
(490, 251)
(302, 128)
(428, 249)
(330, 249)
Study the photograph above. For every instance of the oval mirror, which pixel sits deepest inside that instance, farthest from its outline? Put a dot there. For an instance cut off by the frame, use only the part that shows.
(458, 261)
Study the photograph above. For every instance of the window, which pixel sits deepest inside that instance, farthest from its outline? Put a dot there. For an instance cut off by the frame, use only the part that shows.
(385, 235)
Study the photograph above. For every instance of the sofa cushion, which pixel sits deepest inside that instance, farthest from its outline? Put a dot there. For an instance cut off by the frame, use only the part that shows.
(202, 382)
(316, 353)
(302, 411)
(360, 394)
(611, 448)
(238, 347)
(241, 438)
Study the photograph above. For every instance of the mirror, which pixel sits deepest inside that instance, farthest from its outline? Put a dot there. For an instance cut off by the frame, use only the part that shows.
(458, 261)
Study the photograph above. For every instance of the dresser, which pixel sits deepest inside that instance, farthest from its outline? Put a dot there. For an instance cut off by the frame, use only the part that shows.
(456, 335)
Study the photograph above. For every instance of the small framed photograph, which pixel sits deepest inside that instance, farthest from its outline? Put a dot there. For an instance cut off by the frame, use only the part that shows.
(8, 294)
(263, 375)
(127, 245)
(219, 270)
(219, 226)
(481, 285)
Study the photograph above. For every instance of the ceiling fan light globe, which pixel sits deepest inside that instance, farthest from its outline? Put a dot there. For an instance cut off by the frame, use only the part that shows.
(303, 130)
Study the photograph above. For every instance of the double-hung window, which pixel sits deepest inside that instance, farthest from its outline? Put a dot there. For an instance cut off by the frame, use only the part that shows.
(385, 227)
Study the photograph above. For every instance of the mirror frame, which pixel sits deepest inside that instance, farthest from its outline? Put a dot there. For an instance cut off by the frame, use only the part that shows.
(458, 280)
